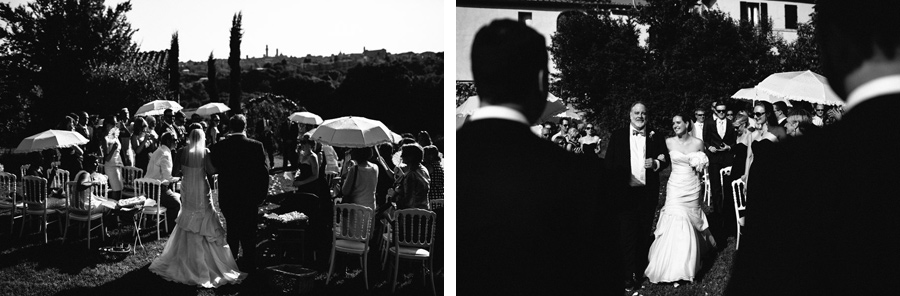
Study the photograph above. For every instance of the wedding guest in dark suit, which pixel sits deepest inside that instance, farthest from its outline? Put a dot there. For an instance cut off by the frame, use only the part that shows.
(780, 112)
(521, 231)
(634, 158)
(243, 182)
(718, 139)
(829, 230)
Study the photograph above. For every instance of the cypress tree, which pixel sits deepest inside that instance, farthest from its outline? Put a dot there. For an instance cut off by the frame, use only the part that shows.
(212, 88)
(234, 61)
(174, 74)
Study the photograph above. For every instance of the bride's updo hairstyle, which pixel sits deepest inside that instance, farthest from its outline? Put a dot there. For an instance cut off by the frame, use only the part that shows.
(686, 118)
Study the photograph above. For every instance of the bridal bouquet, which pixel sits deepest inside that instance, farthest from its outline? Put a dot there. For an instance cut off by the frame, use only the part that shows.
(698, 161)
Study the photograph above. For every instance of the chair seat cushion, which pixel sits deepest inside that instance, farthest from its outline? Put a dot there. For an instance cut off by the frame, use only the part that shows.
(349, 246)
(411, 252)
(154, 210)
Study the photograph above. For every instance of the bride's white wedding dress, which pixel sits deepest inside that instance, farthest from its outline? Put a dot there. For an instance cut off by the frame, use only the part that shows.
(682, 233)
(196, 253)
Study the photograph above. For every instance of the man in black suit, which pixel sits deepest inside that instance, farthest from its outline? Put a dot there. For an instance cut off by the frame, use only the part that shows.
(826, 223)
(718, 137)
(523, 227)
(243, 183)
(634, 158)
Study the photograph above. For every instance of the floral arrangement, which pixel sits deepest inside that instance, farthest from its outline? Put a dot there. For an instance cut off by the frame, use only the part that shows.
(127, 202)
(281, 183)
(698, 160)
(287, 217)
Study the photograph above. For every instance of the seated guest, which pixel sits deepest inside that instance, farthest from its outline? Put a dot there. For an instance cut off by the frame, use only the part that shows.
(794, 119)
(362, 179)
(36, 162)
(85, 196)
(385, 174)
(424, 139)
(160, 168)
(432, 162)
(411, 187)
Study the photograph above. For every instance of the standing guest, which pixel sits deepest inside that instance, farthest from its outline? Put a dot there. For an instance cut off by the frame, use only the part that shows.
(729, 114)
(243, 182)
(699, 122)
(71, 158)
(635, 157)
(212, 132)
(82, 127)
(571, 139)
(385, 174)
(718, 138)
(411, 187)
(794, 120)
(362, 179)
(160, 168)
(96, 132)
(780, 109)
(127, 153)
(547, 131)
(424, 139)
(834, 114)
(151, 126)
(432, 162)
(267, 137)
(769, 134)
(509, 65)
(143, 143)
(564, 124)
(590, 142)
(829, 206)
(307, 179)
(388, 150)
(290, 148)
(112, 157)
(819, 118)
(180, 127)
(742, 126)
(195, 118)
(168, 124)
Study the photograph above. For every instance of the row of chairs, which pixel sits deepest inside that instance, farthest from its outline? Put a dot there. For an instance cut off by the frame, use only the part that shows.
(410, 235)
(739, 195)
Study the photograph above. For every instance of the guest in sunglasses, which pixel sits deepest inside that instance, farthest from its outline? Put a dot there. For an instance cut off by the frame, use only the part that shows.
(769, 134)
(718, 139)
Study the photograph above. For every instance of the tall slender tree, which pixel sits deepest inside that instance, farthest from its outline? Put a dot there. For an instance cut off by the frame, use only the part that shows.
(212, 88)
(234, 61)
(174, 74)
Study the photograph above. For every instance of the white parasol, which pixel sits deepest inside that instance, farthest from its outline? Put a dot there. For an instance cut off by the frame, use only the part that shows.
(352, 132)
(51, 139)
(306, 118)
(158, 107)
(800, 86)
(212, 108)
(751, 94)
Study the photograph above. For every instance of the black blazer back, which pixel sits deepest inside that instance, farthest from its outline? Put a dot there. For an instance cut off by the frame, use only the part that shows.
(243, 171)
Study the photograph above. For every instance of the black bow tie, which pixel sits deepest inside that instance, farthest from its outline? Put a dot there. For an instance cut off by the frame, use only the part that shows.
(635, 133)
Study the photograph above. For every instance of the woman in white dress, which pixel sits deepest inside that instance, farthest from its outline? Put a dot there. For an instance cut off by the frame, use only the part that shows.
(682, 235)
(196, 253)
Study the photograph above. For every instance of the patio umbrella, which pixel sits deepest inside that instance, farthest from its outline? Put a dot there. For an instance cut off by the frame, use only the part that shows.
(306, 118)
(800, 86)
(554, 106)
(352, 132)
(158, 107)
(751, 94)
(212, 108)
(51, 139)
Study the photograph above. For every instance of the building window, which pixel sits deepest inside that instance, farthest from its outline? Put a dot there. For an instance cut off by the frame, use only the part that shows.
(754, 12)
(525, 17)
(790, 16)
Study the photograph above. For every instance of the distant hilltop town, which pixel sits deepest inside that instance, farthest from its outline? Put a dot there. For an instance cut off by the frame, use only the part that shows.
(316, 64)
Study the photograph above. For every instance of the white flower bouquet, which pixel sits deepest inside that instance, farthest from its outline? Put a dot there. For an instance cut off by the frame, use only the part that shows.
(698, 161)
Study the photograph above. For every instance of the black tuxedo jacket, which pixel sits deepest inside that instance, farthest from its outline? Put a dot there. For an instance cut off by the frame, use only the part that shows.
(243, 172)
(711, 138)
(533, 219)
(618, 161)
(831, 229)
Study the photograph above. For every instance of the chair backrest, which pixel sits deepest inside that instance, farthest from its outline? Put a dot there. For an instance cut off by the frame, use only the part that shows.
(436, 204)
(101, 189)
(149, 188)
(101, 169)
(24, 168)
(79, 200)
(722, 172)
(129, 174)
(35, 190)
(414, 227)
(7, 185)
(706, 193)
(739, 191)
(58, 180)
(352, 222)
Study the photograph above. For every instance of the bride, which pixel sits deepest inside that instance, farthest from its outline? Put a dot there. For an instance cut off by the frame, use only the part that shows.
(681, 235)
(196, 253)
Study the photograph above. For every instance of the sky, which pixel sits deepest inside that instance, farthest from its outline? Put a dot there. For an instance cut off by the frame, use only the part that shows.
(294, 27)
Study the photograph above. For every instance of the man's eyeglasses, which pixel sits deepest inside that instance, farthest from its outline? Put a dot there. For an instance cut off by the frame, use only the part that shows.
(759, 114)
(818, 110)
(720, 110)
(699, 114)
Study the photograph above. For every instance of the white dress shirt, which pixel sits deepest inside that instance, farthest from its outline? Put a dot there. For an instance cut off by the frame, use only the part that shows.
(498, 112)
(698, 130)
(160, 166)
(638, 154)
(818, 121)
(720, 127)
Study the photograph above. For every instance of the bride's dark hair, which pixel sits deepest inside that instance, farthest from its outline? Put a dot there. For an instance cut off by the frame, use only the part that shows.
(686, 118)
